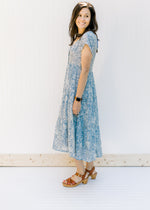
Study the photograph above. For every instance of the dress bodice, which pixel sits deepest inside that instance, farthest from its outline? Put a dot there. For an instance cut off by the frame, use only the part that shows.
(74, 55)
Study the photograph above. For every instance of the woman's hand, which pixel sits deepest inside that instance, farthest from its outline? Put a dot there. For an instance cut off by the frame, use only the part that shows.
(76, 107)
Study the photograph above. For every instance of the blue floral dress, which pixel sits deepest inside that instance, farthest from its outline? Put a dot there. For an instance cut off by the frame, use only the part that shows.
(79, 135)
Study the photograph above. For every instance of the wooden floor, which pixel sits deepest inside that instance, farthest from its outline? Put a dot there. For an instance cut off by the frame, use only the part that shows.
(40, 188)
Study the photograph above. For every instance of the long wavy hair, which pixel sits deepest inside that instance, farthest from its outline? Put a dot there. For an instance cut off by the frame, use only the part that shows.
(73, 29)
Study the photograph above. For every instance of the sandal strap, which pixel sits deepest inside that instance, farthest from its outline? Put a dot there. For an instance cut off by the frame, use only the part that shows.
(81, 175)
(91, 171)
(69, 180)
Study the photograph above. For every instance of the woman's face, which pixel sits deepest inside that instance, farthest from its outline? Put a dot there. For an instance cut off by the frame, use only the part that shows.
(83, 18)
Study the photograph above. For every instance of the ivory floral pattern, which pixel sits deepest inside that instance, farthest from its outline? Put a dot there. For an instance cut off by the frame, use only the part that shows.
(79, 135)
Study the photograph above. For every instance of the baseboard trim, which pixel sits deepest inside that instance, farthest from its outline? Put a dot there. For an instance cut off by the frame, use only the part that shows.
(59, 160)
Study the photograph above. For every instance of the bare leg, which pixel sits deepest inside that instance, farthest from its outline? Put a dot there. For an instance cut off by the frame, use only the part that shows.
(80, 170)
(89, 165)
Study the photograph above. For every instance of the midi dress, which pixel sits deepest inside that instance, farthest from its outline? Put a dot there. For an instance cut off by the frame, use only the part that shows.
(79, 135)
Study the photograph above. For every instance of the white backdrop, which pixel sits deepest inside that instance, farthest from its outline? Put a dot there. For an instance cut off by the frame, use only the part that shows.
(34, 47)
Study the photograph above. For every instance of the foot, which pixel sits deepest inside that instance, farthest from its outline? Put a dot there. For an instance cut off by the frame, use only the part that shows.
(76, 178)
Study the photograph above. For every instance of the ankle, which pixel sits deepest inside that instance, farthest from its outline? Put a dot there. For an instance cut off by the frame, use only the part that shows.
(89, 165)
(89, 168)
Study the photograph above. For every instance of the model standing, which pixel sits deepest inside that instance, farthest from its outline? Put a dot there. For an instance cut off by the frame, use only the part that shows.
(77, 129)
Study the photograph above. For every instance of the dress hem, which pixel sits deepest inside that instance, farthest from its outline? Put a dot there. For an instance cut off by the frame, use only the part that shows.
(84, 159)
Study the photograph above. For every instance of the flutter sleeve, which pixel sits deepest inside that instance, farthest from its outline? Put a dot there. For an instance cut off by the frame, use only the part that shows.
(90, 39)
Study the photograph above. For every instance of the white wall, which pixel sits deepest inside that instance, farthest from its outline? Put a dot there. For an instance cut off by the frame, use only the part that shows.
(33, 57)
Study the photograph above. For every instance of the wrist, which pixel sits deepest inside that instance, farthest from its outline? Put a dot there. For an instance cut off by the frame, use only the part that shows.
(78, 98)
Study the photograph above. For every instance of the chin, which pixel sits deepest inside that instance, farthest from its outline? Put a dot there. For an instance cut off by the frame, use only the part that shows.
(84, 27)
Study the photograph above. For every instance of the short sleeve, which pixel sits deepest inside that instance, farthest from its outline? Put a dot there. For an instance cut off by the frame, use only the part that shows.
(90, 39)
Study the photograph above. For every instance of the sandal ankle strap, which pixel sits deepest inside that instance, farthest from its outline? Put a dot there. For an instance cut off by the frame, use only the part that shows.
(91, 171)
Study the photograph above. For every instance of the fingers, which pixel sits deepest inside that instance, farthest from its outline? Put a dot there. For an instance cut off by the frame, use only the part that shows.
(76, 107)
(76, 112)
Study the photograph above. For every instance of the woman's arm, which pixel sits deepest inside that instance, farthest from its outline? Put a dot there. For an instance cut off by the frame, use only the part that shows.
(86, 57)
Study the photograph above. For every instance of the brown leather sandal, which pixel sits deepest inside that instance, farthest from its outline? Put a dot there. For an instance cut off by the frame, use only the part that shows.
(71, 183)
(90, 173)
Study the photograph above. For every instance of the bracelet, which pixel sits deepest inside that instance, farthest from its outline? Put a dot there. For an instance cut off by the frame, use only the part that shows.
(77, 98)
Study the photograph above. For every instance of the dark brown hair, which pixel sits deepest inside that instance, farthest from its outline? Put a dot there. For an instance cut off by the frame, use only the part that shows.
(73, 29)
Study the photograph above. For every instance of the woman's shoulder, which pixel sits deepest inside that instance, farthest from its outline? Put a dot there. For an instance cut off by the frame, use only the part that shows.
(90, 38)
(89, 34)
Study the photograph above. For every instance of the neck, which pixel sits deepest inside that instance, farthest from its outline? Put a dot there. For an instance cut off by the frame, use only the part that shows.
(81, 30)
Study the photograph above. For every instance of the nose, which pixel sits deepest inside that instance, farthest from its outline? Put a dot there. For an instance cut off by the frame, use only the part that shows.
(82, 19)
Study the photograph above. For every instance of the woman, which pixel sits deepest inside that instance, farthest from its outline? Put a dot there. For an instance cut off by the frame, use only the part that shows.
(77, 129)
